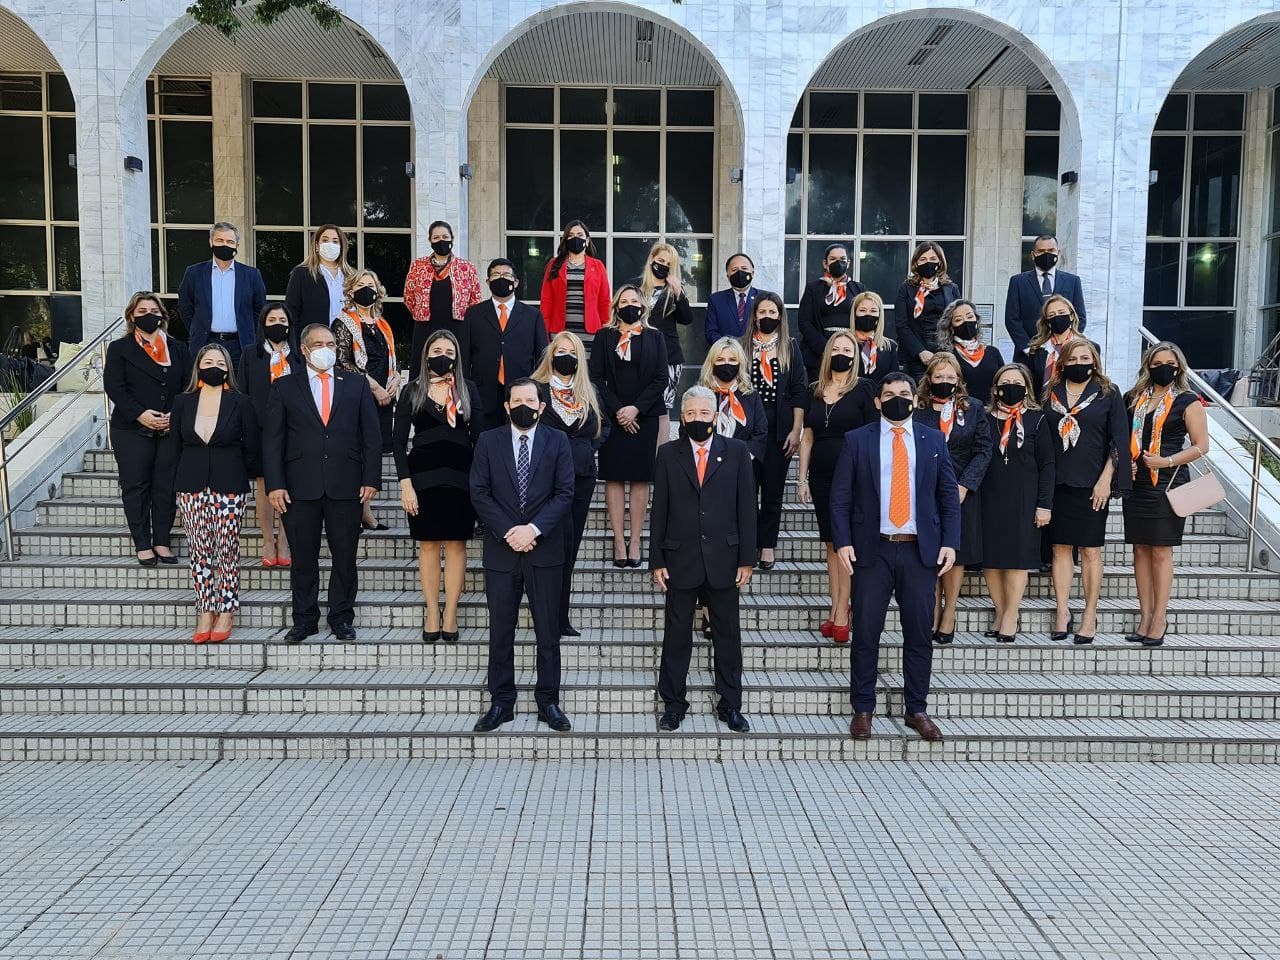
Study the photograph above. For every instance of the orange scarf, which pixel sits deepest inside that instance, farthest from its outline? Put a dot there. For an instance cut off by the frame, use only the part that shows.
(921, 293)
(1051, 358)
(157, 349)
(1162, 407)
(835, 290)
(623, 349)
(441, 273)
(971, 350)
(279, 361)
(869, 353)
(947, 418)
(451, 404)
(1069, 428)
(762, 351)
(352, 322)
(1015, 419)
(731, 414)
(565, 402)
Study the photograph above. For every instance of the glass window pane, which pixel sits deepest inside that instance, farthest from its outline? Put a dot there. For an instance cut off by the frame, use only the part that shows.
(151, 170)
(582, 105)
(1024, 262)
(24, 261)
(583, 177)
(20, 93)
(813, 256)
(833, 109)
(275, 98)
(1213, 195)
(797, 118)
(21, 169)
(691, 108)
(277, 173)
(1161, 285)
(1271, 294)
(690, 182)
(637, 107)
(1207, 337)
(888, 110)
(61, 99)
(530, 255)
(386, 185)
(276, 254)
(1173, 115)
(156, 283)
(151, 96)
(833, 166)
(1044, 112)
(182, 248)
(66, 258)
(1164, 195)
(389, 255)
(795, 180)
(23, 313)
(188, 171)
(397, 315)
(331, 101)
(385, 101)
(1211, 275)
(695, 268)
(886, 185)
(1219, 111)
(62, 173)
(944, 111)
(636, 186)
(530, 194)
(1275, 182)
(186, 98)
(531, 105)
(629, 256)
(333, 174)
(882, 265)
(1040, 186)
(940, 183)
(791, 272)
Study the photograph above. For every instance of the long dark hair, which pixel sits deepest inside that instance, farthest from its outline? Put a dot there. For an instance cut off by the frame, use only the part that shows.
(562, 251)
(419, 387)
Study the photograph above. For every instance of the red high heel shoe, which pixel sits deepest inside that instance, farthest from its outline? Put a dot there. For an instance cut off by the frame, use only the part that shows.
(840, 634)
(826, 628)
(198, 637)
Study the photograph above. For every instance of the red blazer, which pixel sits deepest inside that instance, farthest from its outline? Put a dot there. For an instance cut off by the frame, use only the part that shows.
(417, 288)
(595, 291)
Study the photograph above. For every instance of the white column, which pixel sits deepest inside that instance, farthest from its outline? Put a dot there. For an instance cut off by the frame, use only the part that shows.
(1251, 267)
(230, 157)
(484, 191)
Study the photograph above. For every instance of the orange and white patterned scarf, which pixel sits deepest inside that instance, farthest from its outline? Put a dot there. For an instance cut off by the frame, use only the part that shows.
(157, 349)
(762, 351)
(1014, 421)
(1146, 404)
(731, 414)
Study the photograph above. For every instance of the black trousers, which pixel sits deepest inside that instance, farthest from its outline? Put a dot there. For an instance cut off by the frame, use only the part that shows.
(148, 466)
(896, 572)
(677, 645)
(771, 484)
(341, 522)
(584, 488)
(505, 588)
(230, 344)
(419, 340)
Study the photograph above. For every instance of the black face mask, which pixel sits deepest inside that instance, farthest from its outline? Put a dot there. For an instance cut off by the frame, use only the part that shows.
(740, 279)
(726, 372)
(277, 332)
(838, 268)
(866, 322)
(565, 364)
(699, 431)
(522, 417)
(223, 252)
(1077, 372)
(841, 363)
(213, 376)
(1046, 261)
(896, 409)
(148, 323)
(441, 248)
(1011, 394)
(365, 296)
(502, 288)
(631, 313)
(576, 244)
(441, 365)
(1059, 324)
(768, 325)
(659, 270)
(966, 331)
(1164, 374)
(942, 391)
(928, 270)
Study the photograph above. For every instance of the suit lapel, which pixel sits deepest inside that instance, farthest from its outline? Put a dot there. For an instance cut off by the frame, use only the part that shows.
(923, 450)
(688, 462)
(509, 458)
(874, 460)
(492, 314)
(142, 360)
(304, 388)
(714, 455)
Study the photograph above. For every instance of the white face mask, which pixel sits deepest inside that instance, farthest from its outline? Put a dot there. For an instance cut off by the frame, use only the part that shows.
(322, 358)
(329, 252)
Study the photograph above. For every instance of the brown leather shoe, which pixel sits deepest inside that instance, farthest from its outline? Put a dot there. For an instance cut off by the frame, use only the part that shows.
(921, 724)
(860, 726)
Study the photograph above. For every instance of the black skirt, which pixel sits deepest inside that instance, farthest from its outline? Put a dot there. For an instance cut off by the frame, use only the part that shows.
(1149, 521)
(444, 509)
(630, 456)
(1074, 522)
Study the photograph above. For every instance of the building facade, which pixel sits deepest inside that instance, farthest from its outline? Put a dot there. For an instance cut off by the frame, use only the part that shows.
(1143, 134)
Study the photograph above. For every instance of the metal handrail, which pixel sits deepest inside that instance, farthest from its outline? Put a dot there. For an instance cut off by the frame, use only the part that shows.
(96, 345)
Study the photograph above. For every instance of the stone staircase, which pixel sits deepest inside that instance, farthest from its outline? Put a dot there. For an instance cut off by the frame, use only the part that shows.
(96, 661)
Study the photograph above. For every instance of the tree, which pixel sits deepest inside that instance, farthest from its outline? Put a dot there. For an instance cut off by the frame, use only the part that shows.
(221, 14)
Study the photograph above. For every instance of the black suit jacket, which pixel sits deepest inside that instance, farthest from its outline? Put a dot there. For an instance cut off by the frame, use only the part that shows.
(791, 394)
(255, 377)
(649, 353)
(312, 459)
(136, 383)
(229, 460)
(1024, 300)
(484, 343)
(307, 298)
(703, 533)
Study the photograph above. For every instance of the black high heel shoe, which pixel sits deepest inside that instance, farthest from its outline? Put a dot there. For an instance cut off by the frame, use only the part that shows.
(706, 628)
(943, 638)
(1155, 641)
(1133, 638)
(449, 637)
(634, 564)
(430, 636)
(1006, 638)
(1081, 640)
(1059, 635)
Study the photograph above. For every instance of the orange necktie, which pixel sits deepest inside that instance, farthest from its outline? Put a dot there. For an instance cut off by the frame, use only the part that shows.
(900, 485)
(702, 464)
(502, 324)
(325, 398)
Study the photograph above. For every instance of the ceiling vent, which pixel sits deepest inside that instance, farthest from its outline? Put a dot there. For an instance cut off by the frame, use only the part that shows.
(644, 41)
(373, 49)
(919, 57)
(1244, 48)
(939, 34)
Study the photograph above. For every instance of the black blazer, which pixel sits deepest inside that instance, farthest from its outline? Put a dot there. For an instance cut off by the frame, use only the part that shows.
(791, 394)
(651, 369)
(312, 459)
(1104, 434)
(969, 444)
(815, 316)
(1036, 360)
(887, 362)
(136, 383)
(228, 462)
(484, 343)
(1024, 300)
(583, 442)
(755, 432)
(665, 314)
(494, 495)
(702, 534)
(402, 445)
(307, 298)
(917, 334)
(255, 377)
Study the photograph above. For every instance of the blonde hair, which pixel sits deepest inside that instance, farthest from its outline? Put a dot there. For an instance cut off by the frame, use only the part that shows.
(648, 282)
(708, 378)
(583, 388)
(1065, 351)
(824, 369)
(193, 383)
(870, 296)
(350, 284)
(312, 260)
(1029, 402)
(613, 306)
(1043, 332)
(1143, 382)
(924, 398)
(132, 305)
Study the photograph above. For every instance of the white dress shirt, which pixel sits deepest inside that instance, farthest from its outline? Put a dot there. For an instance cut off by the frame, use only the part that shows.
(223, 303)
(515, 455)
(334, 281)
(886, 474)
(313, 378)
(510, 302)
(701, 446)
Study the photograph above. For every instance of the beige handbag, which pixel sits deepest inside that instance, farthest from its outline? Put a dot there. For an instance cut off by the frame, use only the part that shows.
(1195, 495)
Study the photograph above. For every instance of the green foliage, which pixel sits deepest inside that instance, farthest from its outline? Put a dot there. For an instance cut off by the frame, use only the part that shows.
(12, 394)
(221, 14)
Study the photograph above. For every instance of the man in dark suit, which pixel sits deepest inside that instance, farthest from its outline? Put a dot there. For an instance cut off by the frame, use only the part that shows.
(522, 487)
(322, 461)
(502, 341)
(895, 517)
(1030, 289)
(702, 543)
(728, 310)
(220, 299)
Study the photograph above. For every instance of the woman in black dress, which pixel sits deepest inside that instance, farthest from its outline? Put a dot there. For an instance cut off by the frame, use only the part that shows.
(877, 354)
(824, 306)
(574, 408)
(442, 410)
(918, 304)
(1163, 413)
(1091, 431)
(663, 293)
(267, 361)
(841, 401)
(945, 405)
(960, 334)
(1017, 495)
(1057, 326)
(629, 371)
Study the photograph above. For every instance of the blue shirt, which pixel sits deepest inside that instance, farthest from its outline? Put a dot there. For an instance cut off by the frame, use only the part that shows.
(223, 283)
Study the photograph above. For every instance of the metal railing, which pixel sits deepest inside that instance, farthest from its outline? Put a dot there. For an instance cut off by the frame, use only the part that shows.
(1261, 443)
(90, 360)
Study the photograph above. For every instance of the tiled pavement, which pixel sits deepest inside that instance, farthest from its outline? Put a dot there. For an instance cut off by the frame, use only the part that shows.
(456, 859)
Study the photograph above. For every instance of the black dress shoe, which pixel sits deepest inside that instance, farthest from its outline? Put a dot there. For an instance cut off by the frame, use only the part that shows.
(706, 628)
(170, 559)
(148, 561)
(568, 631)
(1059, 635)
(1133, 638)
(991, 634)
(944, 638)
(1155, 641)
(494, 718)
(298, 633)
(1081, 640)
(766, 564)
(633, 564)
(344, 632)
(620, 564)
(1006, 638)
(670, 721)
(430, 636)
(733, 719)
(377, 526)
(449, 637)
(554, 718)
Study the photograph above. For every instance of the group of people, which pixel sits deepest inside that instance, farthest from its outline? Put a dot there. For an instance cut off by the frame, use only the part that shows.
(922, 453)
